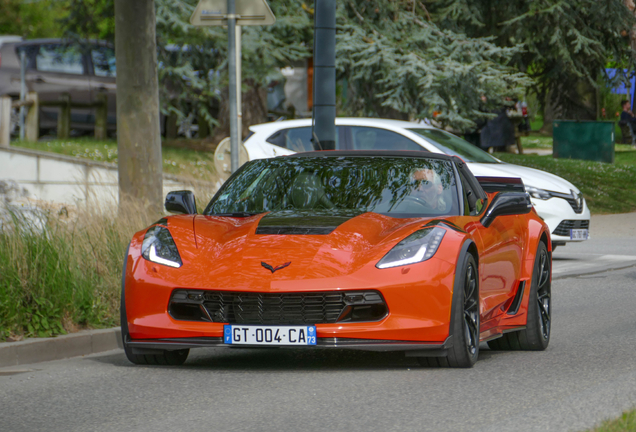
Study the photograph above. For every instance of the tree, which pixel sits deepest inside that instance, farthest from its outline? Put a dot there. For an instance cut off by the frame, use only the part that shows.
(566, 43)
(31, 20)
(138, 131)
(398, 63)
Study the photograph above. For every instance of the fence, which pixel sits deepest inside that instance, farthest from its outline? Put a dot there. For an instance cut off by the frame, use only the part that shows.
(32, 122)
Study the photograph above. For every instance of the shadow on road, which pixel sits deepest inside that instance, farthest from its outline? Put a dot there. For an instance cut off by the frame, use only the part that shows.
(274, 359)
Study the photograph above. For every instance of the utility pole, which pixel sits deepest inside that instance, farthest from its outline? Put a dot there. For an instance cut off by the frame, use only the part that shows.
(324, 95)
(234, 14)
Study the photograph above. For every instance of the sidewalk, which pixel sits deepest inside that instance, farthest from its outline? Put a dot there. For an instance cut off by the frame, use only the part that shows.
(37, 350)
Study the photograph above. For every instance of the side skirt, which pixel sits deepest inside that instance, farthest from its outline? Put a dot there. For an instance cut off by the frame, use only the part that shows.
(498, 332)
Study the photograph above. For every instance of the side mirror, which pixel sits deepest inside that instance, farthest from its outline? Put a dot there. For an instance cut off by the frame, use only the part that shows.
(181, 202)
(505, 204)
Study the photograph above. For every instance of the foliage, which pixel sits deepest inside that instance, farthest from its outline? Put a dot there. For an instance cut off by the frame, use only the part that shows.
(193, 60)
(31, 20)
(565, 42)
(625, 423)
(398, 61)
(608, 188)
(90, 19)
(61, 274)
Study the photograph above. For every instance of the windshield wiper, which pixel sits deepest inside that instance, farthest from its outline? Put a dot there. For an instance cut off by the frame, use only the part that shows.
(236, 214)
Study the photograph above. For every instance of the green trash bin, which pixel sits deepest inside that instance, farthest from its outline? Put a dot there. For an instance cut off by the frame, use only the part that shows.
(588, 140)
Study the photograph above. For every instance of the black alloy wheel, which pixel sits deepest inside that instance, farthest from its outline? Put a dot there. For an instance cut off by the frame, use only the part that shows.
(465, 320)
(544, 294)
(536, 335)
(471, 310)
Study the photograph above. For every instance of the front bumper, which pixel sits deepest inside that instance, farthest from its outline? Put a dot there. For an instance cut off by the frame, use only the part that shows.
(556, 210)
(146, 345)
(418, 297)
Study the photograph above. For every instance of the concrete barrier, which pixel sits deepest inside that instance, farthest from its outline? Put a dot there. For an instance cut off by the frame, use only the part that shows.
(65, 179)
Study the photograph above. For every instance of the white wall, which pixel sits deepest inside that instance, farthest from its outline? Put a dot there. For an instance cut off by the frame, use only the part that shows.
(70, 180)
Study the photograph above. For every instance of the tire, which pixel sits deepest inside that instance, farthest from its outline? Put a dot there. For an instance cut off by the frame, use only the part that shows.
(168, 358)
(536, 335)
(465, 320)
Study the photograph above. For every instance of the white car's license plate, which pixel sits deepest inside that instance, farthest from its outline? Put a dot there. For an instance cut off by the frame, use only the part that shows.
(578, 234)
(269, 335)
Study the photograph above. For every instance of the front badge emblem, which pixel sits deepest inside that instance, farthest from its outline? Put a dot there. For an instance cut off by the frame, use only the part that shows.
(273, 269)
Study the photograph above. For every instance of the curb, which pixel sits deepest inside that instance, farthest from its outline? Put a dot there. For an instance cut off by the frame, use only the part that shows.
(37, 350)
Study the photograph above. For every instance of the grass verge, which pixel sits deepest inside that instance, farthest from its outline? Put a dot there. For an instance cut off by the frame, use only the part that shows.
(179, 161)
(608, 188)
(62, 273)
(625, 423)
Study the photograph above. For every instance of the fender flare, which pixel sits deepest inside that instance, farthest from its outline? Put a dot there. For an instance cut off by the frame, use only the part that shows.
(459, 270)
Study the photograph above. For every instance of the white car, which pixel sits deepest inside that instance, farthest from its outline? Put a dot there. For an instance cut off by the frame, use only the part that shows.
(556, 200)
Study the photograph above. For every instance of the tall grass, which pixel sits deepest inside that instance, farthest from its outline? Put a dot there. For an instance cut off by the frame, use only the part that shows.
(64, 275)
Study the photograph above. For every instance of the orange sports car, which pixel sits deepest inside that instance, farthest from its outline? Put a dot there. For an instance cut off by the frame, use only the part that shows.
(366, 250)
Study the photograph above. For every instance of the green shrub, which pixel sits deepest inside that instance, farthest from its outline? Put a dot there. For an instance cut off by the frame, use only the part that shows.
(64, 275)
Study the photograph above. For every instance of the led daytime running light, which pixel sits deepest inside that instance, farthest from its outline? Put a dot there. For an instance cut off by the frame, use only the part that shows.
(419, 246)
(159, 247)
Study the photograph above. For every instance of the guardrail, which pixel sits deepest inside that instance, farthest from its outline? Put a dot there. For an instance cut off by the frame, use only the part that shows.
(32, 121)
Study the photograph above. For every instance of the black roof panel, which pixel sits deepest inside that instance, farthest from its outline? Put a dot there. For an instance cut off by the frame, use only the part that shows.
(374, 153)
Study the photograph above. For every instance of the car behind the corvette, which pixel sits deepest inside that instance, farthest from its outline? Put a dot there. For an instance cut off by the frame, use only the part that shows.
(367, 250)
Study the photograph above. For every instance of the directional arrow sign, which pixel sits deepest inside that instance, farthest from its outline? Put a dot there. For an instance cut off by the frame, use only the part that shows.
(248, 12)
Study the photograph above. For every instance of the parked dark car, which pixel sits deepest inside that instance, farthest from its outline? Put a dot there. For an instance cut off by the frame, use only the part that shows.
(57, 66)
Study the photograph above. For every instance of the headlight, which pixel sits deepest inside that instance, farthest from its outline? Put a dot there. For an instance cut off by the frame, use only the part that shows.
(419, 246)
(538, 193)
(159, 247)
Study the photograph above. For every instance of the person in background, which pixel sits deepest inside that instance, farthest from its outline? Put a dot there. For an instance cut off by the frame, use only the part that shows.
(627, 118)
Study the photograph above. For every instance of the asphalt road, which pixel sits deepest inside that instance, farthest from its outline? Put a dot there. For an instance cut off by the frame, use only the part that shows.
(587, 374)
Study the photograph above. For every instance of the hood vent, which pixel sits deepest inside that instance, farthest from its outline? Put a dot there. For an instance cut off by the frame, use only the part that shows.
(291, 222)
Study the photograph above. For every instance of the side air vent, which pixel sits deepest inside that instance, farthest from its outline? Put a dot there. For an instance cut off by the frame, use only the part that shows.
(516, 302)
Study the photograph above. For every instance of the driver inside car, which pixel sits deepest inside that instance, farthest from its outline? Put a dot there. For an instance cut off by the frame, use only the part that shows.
(428, 190)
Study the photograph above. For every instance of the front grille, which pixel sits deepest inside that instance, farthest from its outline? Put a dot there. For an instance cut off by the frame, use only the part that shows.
(576, 202)
(277, 309)
(575, 205)
(257, 308)
(565, 226)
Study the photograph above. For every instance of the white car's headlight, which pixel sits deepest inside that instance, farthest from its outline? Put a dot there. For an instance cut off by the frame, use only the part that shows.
(419, 246)
(159, 247)
(538, 193)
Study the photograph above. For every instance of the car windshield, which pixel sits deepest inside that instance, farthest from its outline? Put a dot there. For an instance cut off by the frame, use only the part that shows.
(455, 146)
(396, 186)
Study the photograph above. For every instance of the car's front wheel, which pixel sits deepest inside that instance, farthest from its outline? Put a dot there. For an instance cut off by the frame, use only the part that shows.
(536, 335)
(465, 320)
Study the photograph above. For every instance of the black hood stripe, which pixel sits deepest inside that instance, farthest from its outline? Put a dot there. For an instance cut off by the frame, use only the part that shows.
(303, 223)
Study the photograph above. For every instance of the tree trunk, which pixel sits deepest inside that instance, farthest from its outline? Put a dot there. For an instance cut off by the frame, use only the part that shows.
(254, 107)
(138, 129)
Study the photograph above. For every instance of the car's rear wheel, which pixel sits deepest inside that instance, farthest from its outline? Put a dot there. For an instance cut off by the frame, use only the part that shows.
(465, 320)
(154, 357)
(536, 335)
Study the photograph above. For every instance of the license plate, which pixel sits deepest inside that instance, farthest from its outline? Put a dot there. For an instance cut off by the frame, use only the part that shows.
(578, 234)
(269, 335)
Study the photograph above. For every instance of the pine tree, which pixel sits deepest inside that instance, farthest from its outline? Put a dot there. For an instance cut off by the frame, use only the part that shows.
(567, 44)
(399, 63)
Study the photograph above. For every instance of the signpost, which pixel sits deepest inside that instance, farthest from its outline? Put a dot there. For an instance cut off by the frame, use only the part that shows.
(233, 14)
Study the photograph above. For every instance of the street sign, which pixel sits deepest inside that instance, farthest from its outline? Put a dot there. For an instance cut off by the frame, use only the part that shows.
(248, 12)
